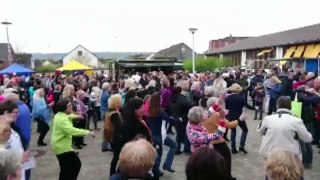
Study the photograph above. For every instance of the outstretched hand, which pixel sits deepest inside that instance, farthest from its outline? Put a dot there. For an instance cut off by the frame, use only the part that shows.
(243, 117)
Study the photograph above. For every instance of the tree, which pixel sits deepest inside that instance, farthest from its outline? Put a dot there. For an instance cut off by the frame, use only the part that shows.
(47, 68)
(23, 59)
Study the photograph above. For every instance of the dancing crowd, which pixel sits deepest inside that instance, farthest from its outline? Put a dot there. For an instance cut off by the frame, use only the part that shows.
(142, 112)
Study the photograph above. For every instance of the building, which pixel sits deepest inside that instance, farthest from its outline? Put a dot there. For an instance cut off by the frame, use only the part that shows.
(24, 59)
(179, 52)
(82, 55)
(219, 43)
(116, 68)
(296, 48)
(4, 55)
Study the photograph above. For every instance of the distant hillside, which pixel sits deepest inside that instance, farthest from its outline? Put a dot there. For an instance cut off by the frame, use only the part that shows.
(102, 55)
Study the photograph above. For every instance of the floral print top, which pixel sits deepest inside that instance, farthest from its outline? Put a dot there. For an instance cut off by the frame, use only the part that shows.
(199, 136)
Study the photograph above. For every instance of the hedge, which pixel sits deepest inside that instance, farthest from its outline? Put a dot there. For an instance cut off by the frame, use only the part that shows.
(208, 64)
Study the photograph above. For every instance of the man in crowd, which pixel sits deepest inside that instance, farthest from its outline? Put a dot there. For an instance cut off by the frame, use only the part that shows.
(283, 130)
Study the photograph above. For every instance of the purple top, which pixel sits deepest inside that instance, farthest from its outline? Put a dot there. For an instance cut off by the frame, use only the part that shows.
(165, 95)
(81, 108)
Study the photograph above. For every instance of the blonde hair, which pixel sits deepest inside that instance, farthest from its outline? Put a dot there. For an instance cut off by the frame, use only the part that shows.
(137, 158)
(282, 164)
(114, 101)
(37, 94)
(275, 79)
(165, 83)
(106, 86)
(235, 88)
(66, 91)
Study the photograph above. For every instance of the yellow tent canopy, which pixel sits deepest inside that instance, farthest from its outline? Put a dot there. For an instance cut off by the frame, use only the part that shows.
(73, 66)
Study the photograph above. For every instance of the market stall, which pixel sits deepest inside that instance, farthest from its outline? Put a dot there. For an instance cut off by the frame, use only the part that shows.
(17, 69)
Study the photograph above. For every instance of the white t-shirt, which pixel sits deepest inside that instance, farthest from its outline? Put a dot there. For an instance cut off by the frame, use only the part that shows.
(15, 144)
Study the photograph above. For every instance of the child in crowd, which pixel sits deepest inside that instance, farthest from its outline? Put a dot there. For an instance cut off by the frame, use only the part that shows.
(258, 93)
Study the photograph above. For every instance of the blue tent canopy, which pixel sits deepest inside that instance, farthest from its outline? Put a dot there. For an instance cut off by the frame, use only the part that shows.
(17, 69)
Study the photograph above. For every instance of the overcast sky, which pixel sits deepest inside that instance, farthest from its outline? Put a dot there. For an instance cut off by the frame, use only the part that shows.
(145, 25)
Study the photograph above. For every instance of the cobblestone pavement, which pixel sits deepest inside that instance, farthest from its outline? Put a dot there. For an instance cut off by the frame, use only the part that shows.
(95, 164)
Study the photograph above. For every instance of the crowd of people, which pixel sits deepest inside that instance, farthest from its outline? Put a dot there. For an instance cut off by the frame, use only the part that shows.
(141, 112)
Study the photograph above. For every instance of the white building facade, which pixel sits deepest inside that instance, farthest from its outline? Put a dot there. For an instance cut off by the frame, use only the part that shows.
(82, 55)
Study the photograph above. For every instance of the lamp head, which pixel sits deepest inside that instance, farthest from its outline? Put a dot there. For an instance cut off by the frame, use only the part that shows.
(6, 23)
(193, 30)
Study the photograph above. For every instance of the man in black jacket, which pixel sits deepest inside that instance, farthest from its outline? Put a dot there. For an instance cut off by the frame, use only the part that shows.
(287, 81)
(179, 108)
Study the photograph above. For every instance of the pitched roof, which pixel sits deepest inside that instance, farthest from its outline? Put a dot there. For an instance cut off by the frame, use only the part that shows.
(294, 36)
(83, 48)
(175, 52)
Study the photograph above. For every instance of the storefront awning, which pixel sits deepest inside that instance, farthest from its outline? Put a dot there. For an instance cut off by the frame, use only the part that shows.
(289, 52)
(316, 51)
(264, 52)
(308, 52)
(299, 51)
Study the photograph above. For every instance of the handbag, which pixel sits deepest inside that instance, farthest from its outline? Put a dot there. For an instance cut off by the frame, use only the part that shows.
(105, 146)
(296, 107)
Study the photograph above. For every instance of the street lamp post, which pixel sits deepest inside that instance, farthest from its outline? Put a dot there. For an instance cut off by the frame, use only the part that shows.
(6, 23)
(116, 42)
(193, 30)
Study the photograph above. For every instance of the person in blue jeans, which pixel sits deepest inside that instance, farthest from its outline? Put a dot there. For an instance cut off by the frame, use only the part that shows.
(155, 117)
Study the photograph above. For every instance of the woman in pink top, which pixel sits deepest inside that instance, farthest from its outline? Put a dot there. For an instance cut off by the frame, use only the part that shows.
(197, 133)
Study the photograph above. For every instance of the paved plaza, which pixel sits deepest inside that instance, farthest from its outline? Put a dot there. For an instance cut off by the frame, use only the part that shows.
(95, 164)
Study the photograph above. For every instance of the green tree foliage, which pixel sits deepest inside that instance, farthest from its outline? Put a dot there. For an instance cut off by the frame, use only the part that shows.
(207, 64)
(45, 69)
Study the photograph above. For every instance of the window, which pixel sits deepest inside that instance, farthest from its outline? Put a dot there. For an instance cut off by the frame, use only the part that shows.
(79, 53)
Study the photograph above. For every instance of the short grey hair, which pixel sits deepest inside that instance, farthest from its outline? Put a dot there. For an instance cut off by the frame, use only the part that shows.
(9, 163)
(195, 115)
(11, 97)
(209, 91)
(212, 101)
(195, 85)
(129, 83)
(105, 86)
(184, 85)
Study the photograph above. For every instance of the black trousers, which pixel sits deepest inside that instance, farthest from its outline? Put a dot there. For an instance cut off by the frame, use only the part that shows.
(92, 114)
(97, 110)
(272, 105)
(115, 159)
(181, 135)
(81, 124)
(224, 150)
(43, 128)
(70, 166)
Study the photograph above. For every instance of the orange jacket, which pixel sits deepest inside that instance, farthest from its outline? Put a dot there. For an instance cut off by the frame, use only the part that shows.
(212, 123)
